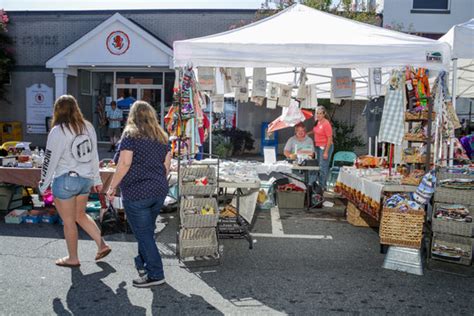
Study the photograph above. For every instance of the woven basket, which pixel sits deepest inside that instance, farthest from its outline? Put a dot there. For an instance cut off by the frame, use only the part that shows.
(190, 188)
(358, 218)
(410, 181)
(197, 242)
(401, 229)
(423, 115)
(198, 220)
(414, 158)
(454, 196)
(443, 174)
(415, 137)
(464, 243)
(442, 225)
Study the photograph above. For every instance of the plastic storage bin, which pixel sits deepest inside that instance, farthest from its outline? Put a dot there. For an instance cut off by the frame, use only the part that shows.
(291, 199)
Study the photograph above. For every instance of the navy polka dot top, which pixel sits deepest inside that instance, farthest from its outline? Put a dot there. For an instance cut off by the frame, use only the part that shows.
(146, 177)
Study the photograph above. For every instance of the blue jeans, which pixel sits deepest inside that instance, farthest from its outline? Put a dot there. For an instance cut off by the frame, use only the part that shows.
(141, 216)
(324, 166)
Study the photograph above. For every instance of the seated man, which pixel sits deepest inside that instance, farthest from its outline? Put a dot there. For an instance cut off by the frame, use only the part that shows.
(301, 146)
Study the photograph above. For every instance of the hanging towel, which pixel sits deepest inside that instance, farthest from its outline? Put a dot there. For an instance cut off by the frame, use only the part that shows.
(217, 103)
(392, 127)
(311, 100)
(226, 77)
(259, 86)
(241, 94)
(238, 79)
(272, 95)
(207, 78)
(285, 95)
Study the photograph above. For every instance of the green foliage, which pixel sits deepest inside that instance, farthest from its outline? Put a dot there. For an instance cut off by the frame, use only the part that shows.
(343, 137)
(6, 54)
(344, 9)
(221, 146)
(239, 140)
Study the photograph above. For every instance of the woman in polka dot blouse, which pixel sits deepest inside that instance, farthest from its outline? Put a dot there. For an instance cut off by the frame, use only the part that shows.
(143, 161)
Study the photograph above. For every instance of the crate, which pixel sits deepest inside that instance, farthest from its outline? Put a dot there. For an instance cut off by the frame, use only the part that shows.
(360, 219)
(15, 217)
(11, 131)
(461, 173)
(197, 242)
(198, 220)
(441, 225)
(33, 217)
(11, 196)
(291, 199)
(404, 229)
(195, 172)
(464, 245)
(453, 196)
(50, 217)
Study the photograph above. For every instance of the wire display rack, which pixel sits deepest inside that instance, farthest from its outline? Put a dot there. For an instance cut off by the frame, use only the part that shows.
(198, 209)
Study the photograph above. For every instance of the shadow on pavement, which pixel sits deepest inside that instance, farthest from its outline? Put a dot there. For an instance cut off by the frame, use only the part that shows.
(89, 295)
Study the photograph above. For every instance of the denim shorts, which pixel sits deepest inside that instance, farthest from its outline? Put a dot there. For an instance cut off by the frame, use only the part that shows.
(70, 185)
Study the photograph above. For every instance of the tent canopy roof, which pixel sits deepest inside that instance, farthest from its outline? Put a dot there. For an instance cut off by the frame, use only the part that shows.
(461, 39)
(300, 36)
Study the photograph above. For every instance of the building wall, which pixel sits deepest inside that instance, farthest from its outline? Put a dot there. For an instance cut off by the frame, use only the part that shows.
(38, 36)
(399, 13)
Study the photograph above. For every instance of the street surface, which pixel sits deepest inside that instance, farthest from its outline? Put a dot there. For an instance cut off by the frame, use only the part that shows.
(303, 263)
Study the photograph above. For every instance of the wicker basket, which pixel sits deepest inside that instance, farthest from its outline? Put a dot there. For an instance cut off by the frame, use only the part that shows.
(414, 158)
(358, 218)
(197, 242)
(198, 220)
(454, 196)
(463, 243)
(441, 225)
(410, 181)
(443, 174)
(423, 115)
(403, 229)
(190, 188)
(415, 137)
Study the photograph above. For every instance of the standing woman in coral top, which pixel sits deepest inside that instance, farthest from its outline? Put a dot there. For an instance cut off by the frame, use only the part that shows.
(323, 143)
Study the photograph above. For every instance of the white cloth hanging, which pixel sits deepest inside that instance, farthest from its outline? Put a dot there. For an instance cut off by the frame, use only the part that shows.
(238, 79)
(259, 85)
(207, 78)
(285, 95)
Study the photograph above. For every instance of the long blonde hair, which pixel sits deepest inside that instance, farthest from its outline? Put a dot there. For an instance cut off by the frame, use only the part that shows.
(67, 113)
(142, 122)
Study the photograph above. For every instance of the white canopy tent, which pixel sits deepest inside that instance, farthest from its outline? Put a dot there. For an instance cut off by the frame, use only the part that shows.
(461, 39)
(300, 36)
(304, 37)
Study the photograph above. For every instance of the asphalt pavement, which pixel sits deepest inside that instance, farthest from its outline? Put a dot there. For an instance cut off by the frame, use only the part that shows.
(302, 263)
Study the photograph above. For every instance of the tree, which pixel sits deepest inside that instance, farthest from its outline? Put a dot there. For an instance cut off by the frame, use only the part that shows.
(6, 54)
(344, 8)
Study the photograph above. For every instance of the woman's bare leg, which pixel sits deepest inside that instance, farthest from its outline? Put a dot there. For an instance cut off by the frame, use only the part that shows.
(67, 211)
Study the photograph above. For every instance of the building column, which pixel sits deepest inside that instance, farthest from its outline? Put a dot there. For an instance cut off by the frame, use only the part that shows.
(60, 78)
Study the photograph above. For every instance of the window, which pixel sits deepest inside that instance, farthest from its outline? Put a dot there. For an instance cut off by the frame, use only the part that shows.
(85, 82)
(431, 5)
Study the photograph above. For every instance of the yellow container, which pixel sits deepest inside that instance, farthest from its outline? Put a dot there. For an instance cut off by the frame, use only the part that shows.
(11, 131)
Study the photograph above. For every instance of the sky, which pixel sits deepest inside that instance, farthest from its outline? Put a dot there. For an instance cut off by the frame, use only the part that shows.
(64, 5)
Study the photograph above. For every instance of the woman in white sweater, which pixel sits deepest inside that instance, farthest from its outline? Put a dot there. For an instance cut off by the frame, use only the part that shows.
(71, 164)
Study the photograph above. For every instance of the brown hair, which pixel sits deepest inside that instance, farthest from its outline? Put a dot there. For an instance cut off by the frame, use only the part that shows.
(142, 122)
(67, 113)
(323, 109)
(300, 125)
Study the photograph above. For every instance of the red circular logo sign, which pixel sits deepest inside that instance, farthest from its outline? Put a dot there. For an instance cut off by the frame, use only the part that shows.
(39, 98)
(118, 42)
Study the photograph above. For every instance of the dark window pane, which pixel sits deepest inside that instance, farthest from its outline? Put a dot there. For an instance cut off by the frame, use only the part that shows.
(139, 78)
(169, 83)
(431, 4)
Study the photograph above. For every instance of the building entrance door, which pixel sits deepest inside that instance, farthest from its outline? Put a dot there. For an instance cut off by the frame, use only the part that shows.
(126, 94)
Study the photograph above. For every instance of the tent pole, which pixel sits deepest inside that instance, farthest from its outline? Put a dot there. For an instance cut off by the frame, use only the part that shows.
(454, 96)
(211, 121)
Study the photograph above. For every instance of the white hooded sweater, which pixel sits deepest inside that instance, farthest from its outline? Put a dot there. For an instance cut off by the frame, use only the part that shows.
(66, 151)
